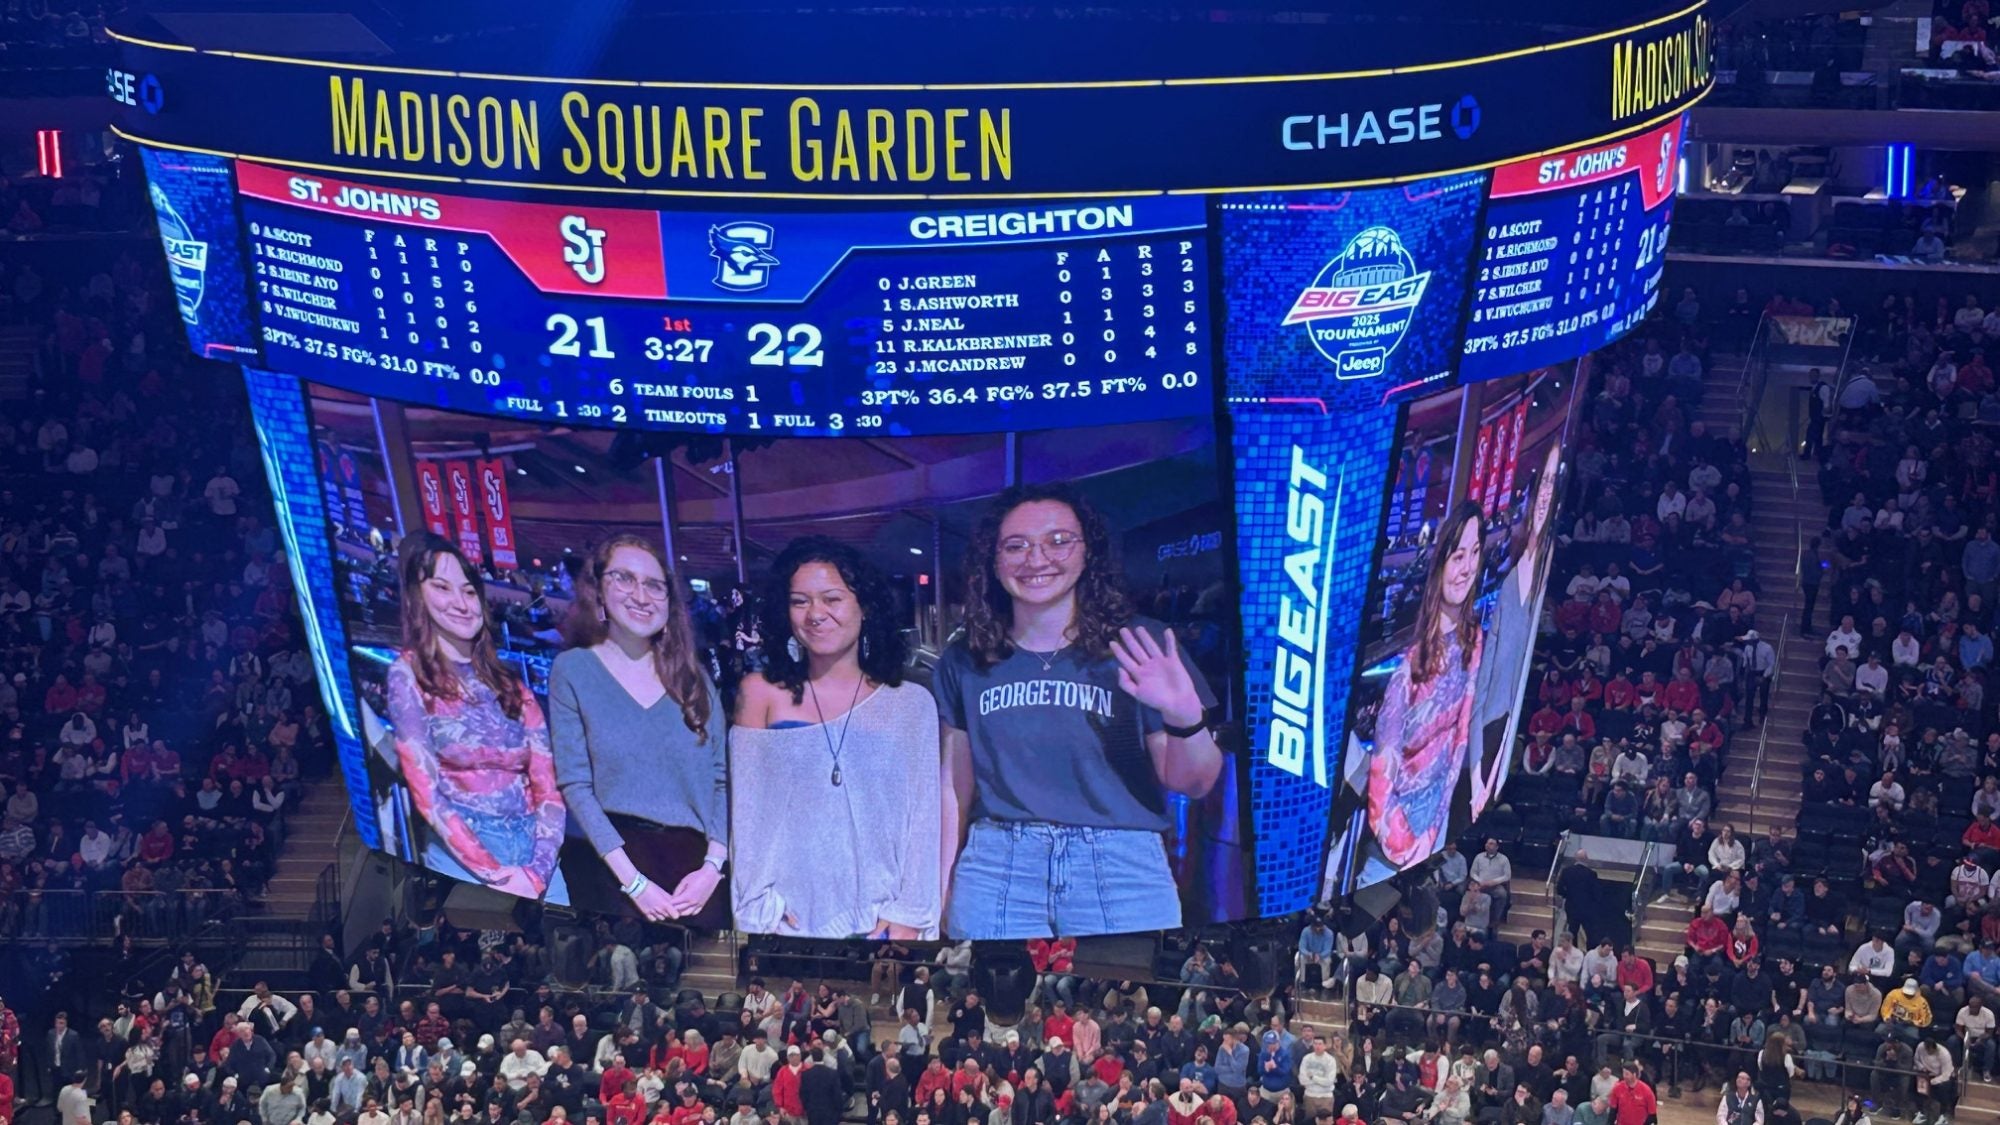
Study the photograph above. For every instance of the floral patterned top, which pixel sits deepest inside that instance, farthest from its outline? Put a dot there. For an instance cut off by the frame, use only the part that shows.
(485, 783)
(1421, 735)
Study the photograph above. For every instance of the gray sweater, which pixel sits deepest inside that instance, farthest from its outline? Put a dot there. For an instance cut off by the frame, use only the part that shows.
(614, 756)
(836, 859)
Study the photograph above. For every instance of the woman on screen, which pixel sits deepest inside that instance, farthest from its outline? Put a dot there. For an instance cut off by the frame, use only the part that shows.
(1425, 720)
(638, 734)
(834, 761)
(470, 738)
(1510, 640)
(1067, 720)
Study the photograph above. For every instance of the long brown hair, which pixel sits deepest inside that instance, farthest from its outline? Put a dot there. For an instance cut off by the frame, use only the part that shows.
(1427, 655)
(675, 660)
(1776, 1046)
(1547, 476)
(1101, 605)
(436, 679)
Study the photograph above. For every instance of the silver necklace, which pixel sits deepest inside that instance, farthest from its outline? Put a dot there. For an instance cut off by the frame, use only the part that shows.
(833, 748)
(1049, 661)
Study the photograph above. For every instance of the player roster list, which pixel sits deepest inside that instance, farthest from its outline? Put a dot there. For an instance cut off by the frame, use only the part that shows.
(1572, 252)
(854, 322)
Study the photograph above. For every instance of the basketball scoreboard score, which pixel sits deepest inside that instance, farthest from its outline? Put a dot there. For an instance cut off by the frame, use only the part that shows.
(1573, 249)
(784, 323)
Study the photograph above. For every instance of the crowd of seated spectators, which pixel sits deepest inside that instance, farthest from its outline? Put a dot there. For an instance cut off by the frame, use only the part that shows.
(91, 198)
(1858, 949)
(1653, 665)
(1654, 661)
(1963, 34)
(157, 707)
(55, 33)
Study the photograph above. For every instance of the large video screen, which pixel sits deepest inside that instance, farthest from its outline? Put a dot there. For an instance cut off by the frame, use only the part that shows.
(748, 648)
(859, 570)
(1449, 626)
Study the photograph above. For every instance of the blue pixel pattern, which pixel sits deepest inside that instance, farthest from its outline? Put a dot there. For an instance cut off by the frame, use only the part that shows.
(284, 435)
(1302, 437)
(194, 201)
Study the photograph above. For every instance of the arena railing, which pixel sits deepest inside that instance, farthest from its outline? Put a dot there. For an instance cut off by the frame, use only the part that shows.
(88, 917)
(1764, 731)
(1558, 914)
(835, 968)
(1851, 1075)
(1643, 883)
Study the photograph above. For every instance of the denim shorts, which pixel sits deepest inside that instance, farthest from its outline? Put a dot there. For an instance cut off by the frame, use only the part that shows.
(1028, 879)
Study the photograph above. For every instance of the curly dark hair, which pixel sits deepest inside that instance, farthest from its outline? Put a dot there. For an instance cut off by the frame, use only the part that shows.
(884, 650)
(1101, 605)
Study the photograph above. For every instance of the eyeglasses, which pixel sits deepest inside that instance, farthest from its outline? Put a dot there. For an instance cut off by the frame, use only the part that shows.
(624, 582)
(1056, 548)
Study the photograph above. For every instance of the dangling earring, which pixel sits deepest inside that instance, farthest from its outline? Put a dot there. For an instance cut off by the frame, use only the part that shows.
(864, 646)
(793, 650)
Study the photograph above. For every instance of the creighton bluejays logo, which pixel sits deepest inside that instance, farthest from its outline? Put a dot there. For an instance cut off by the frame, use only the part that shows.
(742, 253)
(187, 257)
(1358, 308)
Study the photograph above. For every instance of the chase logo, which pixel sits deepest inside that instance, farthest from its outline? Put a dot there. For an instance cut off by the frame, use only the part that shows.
(1358, 308)
(742, 253)
(187, 257)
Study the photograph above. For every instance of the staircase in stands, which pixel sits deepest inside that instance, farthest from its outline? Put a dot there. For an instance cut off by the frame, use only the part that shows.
(1745, 800)
(312, 840)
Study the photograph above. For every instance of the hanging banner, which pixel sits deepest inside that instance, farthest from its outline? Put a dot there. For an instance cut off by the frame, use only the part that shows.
(499, 512)
(349, 472)
(430, 492)
(464, 508)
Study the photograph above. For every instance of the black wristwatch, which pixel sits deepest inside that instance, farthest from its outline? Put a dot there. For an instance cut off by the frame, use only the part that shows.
(1188, 731)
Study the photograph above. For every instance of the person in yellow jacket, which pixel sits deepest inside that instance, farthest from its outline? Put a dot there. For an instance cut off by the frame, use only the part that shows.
(1905, 1013)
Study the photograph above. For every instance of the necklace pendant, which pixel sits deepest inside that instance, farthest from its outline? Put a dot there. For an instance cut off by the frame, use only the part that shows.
(836, 775)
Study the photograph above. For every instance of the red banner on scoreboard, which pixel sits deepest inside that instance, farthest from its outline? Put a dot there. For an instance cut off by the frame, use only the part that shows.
(1653, 157)
(499, 512)
(430, 493)
(585, 251)
(464, 508)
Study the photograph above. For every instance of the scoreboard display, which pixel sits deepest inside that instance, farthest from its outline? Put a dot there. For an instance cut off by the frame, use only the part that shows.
(1574, 245)
(1241, 283)
(918, 322)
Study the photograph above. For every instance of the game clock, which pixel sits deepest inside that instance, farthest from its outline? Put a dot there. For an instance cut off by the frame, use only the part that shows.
(889, 322)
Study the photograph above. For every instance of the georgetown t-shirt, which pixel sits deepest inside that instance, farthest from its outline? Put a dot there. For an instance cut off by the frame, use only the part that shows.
(1062, 745)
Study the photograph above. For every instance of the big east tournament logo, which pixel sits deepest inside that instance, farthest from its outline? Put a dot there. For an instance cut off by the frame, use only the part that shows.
(1358, 308)
(187, 257)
